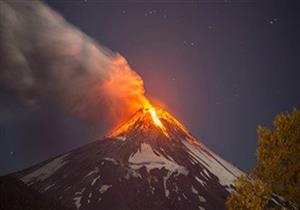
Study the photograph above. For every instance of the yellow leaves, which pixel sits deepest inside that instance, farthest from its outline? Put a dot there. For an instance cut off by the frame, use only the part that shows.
(250, 194)
(278, 169)
(278, 156)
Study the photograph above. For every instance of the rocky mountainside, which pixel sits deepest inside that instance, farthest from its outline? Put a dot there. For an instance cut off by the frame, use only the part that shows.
(150, 162)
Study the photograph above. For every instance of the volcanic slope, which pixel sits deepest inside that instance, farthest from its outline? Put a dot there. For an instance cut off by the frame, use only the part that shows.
(150, 162)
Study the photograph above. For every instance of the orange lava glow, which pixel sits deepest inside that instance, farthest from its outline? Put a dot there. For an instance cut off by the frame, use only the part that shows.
(126, 95)
(156, 120)
(149, 116)
(154, 117)
(125, 91)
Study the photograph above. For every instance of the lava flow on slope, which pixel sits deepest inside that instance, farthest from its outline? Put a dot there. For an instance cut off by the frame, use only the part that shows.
(149, 162)
(153, 119)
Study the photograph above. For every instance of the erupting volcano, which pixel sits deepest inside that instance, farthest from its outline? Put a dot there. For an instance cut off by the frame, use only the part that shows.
(149, 162)
(149, 116)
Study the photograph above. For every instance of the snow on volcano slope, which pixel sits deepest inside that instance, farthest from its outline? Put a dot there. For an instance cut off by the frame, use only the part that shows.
(146, 157)
(148, 168)
(45, 171)
(225, 172)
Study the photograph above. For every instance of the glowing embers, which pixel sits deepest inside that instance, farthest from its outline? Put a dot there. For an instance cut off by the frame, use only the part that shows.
(156, 119)
(145, 120)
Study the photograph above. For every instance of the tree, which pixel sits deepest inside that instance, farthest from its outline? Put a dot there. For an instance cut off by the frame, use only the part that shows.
(278, 170)
(249, 194)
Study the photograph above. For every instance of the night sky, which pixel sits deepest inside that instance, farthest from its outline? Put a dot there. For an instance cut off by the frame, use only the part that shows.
(222, 68)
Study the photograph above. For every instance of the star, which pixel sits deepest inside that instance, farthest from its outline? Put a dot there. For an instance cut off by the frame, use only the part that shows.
(273, 21)
(124, 11)
(11, 153)
(151, 12)
(211, 27)
(189, 43)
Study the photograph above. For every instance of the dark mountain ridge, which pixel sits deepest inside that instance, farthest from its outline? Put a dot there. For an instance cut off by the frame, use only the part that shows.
(150, 162)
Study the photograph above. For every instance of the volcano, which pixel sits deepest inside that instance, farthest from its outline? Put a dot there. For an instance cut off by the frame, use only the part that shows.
(149, 162)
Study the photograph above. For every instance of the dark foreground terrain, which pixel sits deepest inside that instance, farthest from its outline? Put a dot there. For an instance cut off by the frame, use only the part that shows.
(15, 195)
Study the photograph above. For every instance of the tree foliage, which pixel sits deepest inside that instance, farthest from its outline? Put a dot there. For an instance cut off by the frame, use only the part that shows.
(250, 194)
(278, 169)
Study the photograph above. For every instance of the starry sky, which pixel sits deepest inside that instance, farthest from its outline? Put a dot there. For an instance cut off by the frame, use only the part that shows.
(221, 67)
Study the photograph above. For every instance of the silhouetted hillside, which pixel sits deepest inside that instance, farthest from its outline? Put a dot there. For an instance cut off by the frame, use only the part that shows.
(15, 195)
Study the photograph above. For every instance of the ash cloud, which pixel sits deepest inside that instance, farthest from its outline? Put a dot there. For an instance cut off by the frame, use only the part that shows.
(47, 61)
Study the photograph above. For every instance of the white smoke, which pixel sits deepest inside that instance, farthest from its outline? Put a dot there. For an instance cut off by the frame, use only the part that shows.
(44, 60)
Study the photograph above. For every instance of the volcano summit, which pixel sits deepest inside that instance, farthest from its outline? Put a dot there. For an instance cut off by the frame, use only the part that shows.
(150, 162)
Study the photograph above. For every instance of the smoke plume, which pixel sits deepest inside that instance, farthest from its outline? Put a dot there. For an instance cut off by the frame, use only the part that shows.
(47, 61)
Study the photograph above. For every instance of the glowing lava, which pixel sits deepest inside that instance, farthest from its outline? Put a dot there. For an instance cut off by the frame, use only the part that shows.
(144, 118)
(155, 119)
